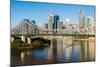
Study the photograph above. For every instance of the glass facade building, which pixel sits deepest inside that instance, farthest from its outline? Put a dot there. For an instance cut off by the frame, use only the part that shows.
(55, 19)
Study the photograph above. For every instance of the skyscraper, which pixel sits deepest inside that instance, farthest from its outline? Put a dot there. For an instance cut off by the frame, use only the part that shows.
(81, 18)
(85, 25)
(55, 20)
(60, 27)
(46, 28)
(50, 23)
(67, 23)
(60, 24)
(91, 22)
(84, 22)
(91, 25)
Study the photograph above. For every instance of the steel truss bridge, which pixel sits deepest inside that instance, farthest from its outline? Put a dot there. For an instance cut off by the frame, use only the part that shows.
(29, 28)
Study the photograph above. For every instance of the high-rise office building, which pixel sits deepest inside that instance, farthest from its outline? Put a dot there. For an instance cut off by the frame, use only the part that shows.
(91, 22)
(60, 27)
(67, 23)
(49, 21)
(91, 25)
(60, 24)
(84, 22)
(84, 28)
(46, 27)
(81, 19)
(55, 21)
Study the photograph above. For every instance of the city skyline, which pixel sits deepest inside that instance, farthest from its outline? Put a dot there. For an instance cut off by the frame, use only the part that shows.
(19, 12)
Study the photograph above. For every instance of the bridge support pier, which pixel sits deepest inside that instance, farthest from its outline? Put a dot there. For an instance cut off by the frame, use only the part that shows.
(23, 38)
(29, 40)
(12, 39)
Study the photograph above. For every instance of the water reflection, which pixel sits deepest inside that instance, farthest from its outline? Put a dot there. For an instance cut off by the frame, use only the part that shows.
(49, 52)
(91, 49)
(40, 54)
(62, 49)
(22, 55)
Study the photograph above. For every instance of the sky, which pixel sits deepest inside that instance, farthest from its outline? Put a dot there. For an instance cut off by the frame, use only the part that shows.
(39, 11)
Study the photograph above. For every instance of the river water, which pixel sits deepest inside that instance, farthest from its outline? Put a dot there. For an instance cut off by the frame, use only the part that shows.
(62, 50)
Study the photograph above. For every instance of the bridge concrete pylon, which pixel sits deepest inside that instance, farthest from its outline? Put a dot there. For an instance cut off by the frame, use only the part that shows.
(23, 38)
(12, 39)
(29, 40)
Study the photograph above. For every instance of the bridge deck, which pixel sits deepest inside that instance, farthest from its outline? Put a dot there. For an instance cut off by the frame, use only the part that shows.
(90, 35)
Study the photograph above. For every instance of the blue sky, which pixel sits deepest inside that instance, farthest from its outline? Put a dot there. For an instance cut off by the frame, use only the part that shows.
(39, 11)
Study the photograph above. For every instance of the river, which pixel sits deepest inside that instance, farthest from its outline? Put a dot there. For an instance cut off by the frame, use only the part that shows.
(63, 50)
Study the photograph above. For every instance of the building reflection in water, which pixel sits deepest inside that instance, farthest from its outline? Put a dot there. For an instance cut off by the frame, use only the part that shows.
(68, 46)
(49, 51)
(62, 49)
(66, 50)
(28, 52)
(22, 56)
(54, 48)
(91, 49)
(87, 51)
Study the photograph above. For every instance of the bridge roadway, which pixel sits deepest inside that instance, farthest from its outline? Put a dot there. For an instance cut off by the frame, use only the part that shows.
(30, 35)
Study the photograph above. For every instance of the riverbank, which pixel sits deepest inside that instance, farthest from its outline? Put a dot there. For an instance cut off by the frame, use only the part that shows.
(29, 47)
(36, 43)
